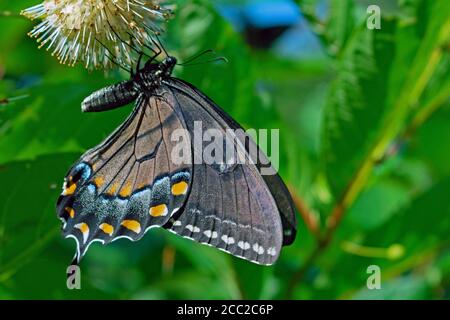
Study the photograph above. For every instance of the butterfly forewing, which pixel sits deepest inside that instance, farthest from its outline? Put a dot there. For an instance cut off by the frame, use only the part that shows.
(128, 183)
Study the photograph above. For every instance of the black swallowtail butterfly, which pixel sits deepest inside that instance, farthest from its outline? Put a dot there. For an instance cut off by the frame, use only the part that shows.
(128, 184)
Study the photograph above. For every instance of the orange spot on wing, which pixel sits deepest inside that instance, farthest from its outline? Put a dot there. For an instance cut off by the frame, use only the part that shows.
(126, 190)
(70, 211)
(113, 189)
(99, 181)
(70, 188)
(179, 188)
(83, 227)
(141, 186)
(107, 228)
(159, 210)
(132, 225)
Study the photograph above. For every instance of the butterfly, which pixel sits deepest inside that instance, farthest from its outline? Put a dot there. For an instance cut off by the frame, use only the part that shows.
(129, 183)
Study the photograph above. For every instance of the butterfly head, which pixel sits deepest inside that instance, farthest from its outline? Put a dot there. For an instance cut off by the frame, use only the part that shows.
(153, 72)
(168, 64)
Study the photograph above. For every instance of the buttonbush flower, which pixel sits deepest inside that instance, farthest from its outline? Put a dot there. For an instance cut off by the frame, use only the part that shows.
(94, 31)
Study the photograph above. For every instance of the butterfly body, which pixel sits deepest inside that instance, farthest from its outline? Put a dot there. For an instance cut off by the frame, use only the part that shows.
(130, 183)
(143, 81)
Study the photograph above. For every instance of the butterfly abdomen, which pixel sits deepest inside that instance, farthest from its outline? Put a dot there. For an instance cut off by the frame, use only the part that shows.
(111, 97)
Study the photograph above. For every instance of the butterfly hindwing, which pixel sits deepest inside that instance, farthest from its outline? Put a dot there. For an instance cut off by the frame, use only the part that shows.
(127, 184)
(230, 205)
(273, 180)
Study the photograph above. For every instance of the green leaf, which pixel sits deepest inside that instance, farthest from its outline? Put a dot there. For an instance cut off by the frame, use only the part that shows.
(34, 256)
(50, 121)
(27, 217)
(403, 288)
(232, 85)
(377, 204)
(251, 278)
(340, 24)
(357, 103)
(424, 222)
(427, 144)
(375, 90)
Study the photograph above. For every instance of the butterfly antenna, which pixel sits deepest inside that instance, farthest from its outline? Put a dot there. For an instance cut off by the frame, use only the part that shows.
(155, 53)
(119, 65)
(138, 66)
(124, 42)
(142, 44)
(114, 60)
(196, 56)
(157, 44)
(161, 45)
(223, 59)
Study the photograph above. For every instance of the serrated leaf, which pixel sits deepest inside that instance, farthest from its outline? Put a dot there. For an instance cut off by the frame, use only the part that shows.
(376, 89)
(340, 24)
(357, 103)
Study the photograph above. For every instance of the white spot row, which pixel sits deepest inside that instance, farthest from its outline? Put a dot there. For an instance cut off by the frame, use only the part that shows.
(272, 251)
(258, 249)
(244, 245)
(234, 224)
(227, 239)
(195, 211)
(210, 234)
(192, 228)
(177, 223)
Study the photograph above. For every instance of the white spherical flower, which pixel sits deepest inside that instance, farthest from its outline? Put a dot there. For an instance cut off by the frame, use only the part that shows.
(96, 32)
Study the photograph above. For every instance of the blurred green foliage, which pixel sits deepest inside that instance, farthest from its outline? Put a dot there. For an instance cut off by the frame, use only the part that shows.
(365, 133)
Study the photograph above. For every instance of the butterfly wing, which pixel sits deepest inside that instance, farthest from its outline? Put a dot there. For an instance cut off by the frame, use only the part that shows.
(231, 206)
(127, 184)
(130, 183)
